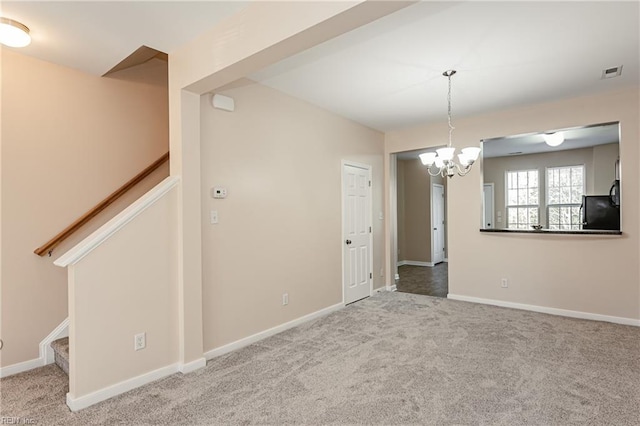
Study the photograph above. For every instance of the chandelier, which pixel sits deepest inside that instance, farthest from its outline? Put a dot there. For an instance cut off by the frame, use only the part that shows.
(442, 161)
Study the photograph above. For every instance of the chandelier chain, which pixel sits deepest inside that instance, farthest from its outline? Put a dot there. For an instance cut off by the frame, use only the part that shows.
(451, 128)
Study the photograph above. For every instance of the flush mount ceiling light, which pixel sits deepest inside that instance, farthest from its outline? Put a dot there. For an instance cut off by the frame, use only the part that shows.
(13, 33)
(443, 159)
(553, 139)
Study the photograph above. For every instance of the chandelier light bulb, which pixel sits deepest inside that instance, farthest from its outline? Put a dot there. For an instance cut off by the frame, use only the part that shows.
(428, 158)
(472, 152)
(464, 159)
(13, 33)
(446, 154)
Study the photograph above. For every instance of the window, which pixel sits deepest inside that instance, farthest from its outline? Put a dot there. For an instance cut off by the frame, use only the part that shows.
(522, 199)
(565, 188)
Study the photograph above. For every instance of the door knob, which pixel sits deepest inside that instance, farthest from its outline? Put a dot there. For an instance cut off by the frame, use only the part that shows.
(348, 242)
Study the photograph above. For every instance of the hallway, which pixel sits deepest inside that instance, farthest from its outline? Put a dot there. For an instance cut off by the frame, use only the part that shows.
(425, 280)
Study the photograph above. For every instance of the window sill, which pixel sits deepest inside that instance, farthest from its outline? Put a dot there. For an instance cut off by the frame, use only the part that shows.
(554, 232)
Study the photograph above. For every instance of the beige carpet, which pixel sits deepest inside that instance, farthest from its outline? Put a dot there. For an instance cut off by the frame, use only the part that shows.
(391, 359)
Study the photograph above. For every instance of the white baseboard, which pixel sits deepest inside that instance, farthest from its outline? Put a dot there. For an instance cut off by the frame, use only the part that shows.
(392, 288)
(546, 310)
(76, 404)
(380, 289)
(270, 332)
(46, 353)
(12, 369)
(192, 366)
(415, 263)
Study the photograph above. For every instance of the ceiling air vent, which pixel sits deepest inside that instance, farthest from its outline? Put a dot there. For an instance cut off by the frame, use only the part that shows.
(611, 72)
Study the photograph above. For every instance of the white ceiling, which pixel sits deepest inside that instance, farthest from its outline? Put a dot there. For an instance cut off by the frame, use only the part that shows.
(386, 75)
(93, 36)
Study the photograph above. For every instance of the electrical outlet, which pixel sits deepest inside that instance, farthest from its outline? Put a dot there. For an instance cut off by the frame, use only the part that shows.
(139, 341)
(285, 299)
(504, 283)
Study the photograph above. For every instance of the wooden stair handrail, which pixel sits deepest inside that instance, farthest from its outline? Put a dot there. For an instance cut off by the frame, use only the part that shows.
(65, 233)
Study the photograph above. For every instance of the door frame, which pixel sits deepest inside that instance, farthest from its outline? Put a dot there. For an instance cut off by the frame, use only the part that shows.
(392, 221)
(444, 224)
(390, 206)
(369, 169)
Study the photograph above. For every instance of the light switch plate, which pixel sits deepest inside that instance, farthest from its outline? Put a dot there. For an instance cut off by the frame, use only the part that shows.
(213, 216)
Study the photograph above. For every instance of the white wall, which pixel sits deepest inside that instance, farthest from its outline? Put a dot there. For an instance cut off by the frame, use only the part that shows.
(592, 274)
(280, 226)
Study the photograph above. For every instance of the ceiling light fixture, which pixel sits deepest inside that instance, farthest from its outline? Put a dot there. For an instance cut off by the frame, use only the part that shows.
(553, 139)
(13, 33)
(443, 158)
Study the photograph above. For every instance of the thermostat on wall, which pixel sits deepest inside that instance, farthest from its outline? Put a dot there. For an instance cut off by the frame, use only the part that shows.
(219, 192)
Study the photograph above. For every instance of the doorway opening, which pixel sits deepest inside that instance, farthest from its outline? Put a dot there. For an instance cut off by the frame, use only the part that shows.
(420, 227)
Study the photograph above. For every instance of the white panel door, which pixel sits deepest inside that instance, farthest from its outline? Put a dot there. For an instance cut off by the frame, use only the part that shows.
(356, 238)
(487, 206)
(437, 222)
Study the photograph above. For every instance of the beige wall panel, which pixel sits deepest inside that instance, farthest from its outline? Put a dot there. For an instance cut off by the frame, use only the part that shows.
(279, 228)
(69, 139)
(594, 274)
(221, 56)
(126, 286)
(417, 212)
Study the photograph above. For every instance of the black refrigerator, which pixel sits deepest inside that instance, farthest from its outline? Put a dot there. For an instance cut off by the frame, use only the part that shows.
(600, 212)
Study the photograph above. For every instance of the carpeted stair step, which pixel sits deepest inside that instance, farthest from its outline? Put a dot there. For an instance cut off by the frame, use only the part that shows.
(61, 350)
